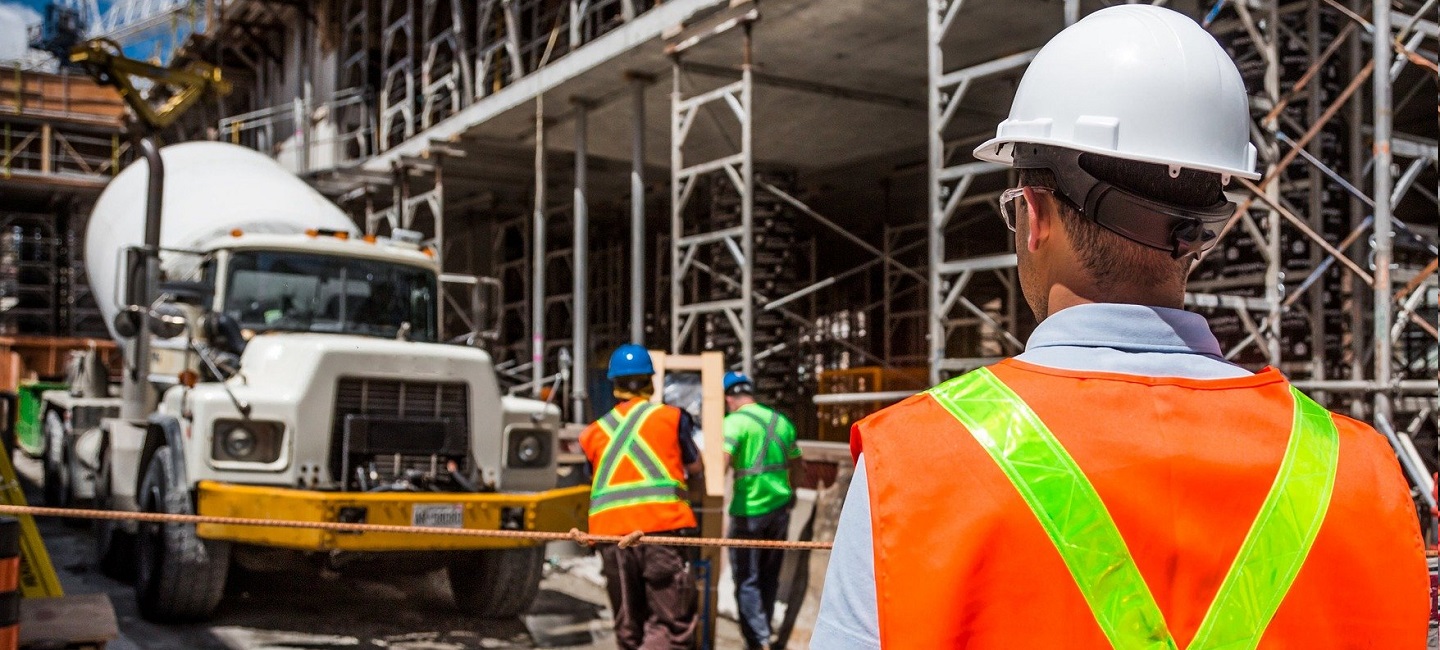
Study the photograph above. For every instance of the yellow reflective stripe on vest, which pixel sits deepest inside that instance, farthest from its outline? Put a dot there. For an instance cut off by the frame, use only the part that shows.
(1281, 537)
(1078, 524)
(625, 441)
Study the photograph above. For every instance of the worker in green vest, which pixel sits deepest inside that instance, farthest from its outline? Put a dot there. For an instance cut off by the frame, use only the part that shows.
(760, 449)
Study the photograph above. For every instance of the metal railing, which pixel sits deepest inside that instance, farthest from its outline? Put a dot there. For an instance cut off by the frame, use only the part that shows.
(305, 138)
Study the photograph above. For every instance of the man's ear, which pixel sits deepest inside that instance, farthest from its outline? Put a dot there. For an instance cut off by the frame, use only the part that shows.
(1039, 217)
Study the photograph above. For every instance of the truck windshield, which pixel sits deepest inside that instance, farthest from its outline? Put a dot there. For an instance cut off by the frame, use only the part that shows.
(302, 292)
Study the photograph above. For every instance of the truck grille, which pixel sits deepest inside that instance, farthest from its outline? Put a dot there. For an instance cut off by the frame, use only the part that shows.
(390, 400)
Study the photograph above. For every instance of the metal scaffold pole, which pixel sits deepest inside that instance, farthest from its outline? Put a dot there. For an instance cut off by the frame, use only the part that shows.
(935, 332)
(537, 257)
(747, 211)
(581, 247)
(637, 210)
(1382, 117)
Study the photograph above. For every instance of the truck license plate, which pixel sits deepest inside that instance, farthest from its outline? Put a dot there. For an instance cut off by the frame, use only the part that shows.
(438, 515)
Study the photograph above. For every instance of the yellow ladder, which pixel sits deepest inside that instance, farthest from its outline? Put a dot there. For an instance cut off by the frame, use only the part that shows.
(37, 574)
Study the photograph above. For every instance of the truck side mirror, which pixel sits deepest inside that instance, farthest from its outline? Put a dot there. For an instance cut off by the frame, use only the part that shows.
(167, 321)
(127, 322)
(224, 332)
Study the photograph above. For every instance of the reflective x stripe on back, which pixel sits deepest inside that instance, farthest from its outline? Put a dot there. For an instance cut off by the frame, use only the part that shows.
(1075, 519)
(625, 442)
(772, 437)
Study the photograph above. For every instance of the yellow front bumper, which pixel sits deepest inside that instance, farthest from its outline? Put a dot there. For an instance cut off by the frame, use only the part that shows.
(556, 510)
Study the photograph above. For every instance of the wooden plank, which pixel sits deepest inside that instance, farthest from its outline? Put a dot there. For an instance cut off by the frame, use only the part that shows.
(80, 619)
(43, 93)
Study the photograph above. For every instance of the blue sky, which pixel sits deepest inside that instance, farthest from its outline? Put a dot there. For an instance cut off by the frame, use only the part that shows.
(16, 14)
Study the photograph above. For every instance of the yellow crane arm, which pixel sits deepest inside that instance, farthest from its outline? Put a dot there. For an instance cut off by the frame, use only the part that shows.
(106, 61)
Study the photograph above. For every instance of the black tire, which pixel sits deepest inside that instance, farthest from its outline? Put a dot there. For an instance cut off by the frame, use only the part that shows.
(178, 576)
(55, 492)
(114, 546)
(500, 583)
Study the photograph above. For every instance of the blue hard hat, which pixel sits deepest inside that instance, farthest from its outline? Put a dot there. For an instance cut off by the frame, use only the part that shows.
(733, 379)
(630, 360)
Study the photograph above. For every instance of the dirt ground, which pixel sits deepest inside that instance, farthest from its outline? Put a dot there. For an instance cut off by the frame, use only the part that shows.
(316, 609)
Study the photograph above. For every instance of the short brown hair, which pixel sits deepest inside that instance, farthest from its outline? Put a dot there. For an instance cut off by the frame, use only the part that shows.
(1111, 258)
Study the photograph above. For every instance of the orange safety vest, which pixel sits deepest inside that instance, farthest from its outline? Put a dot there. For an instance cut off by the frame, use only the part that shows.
(1182, 466)
(639, 475)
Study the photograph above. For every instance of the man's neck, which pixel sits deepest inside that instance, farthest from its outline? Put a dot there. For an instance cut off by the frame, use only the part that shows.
(1063, 296)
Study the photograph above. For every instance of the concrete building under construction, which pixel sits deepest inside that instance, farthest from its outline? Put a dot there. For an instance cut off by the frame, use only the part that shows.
(788, 182)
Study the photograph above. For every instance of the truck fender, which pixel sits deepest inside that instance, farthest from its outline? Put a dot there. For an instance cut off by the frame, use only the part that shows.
(164, 430)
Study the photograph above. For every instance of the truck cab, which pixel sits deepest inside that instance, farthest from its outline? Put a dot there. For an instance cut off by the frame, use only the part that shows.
(302, 376)
(278, 324)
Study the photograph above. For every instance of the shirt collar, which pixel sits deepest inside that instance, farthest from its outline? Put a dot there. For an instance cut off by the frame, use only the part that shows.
(1132, 328)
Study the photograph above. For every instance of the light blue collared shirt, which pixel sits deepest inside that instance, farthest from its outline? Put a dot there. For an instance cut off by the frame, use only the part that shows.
(1107, 337)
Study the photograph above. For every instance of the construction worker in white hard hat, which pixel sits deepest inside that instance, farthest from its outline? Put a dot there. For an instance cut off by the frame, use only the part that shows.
(1119, 484)
(761, 451)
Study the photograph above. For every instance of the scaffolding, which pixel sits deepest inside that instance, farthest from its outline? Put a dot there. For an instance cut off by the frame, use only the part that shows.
(361, 88)
(59, 145)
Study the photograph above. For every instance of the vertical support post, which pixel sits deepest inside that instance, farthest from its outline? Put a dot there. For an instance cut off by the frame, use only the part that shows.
(935, 217)
(537, 257)
(581, 248)
(1354, 288)
(1315, 199)
(747, 210)
(47, 136)
(1383, 186)
(637, 210)
(437, 206)
(137, 392)
(677, 211)
(1274, 270)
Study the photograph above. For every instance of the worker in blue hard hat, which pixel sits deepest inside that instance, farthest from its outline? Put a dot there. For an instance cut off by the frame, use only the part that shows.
(647, 472)
(760, 450)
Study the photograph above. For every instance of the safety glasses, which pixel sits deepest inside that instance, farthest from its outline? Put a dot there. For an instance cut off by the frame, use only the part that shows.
(1007, 211)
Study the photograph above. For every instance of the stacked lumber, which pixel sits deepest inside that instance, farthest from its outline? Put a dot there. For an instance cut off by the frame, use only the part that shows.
(58, 96)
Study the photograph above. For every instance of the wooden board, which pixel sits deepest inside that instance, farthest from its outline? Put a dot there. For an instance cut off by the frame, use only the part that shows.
(87, 619)
(66, 96)
(45, 357)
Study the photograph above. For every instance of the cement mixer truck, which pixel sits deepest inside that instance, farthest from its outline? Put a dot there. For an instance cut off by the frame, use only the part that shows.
(292, 371)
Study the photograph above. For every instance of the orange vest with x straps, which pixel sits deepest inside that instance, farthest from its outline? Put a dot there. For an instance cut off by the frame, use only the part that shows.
(639, 472)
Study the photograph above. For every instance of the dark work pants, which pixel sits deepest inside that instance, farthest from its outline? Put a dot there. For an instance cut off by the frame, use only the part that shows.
(652, 596)
(757, 573)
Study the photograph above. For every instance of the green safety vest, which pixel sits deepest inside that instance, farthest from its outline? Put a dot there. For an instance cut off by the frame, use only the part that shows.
(1070, 511)
(762, 481)
(656, 486)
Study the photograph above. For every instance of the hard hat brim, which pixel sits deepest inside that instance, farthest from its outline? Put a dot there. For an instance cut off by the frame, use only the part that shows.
(995, 150)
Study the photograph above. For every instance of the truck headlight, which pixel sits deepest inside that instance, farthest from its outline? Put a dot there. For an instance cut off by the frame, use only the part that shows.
(247, 441)
(529, 448)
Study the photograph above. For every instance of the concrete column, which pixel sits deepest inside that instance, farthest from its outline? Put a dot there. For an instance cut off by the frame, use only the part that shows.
(581, 248)
(637, 210)
(537, 256)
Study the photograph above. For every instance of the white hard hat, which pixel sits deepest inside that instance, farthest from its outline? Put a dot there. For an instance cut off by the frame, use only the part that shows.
(1135, 82)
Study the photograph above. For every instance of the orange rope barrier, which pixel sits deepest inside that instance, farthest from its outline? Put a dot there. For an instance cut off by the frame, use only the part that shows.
(575, 535)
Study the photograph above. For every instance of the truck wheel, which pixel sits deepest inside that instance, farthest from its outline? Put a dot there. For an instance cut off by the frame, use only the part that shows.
(500, 583)
(56, 489)
(114, 546)
(178, 576)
